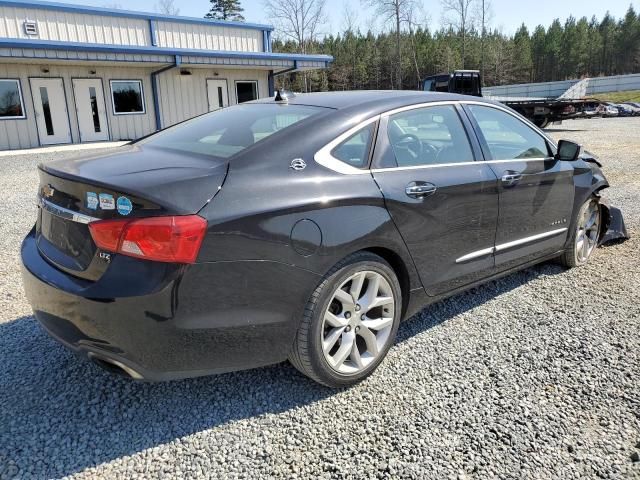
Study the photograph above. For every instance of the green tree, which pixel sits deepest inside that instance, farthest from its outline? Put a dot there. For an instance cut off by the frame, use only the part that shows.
(553, 51)
(226, 10)
(594, 47)
(538, 40)
(523, 58)
(628, 42)
(608, 35)
(571, 49)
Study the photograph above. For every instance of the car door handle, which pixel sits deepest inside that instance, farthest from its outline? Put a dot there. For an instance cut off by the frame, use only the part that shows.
(511, 178)
(420, 189)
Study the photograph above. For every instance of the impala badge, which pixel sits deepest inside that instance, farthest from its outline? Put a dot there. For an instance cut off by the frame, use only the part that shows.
(298, 164)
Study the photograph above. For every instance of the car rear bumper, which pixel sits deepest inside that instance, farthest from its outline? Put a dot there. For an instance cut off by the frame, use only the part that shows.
(190, 321)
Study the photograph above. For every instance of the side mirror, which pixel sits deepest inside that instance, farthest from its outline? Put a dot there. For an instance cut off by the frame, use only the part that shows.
(568, 151)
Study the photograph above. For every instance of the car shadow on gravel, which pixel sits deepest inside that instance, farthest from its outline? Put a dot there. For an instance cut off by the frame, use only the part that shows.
(448, 308)
(60, 414)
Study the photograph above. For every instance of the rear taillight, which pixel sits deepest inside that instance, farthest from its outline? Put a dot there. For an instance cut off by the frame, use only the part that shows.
(175, 239)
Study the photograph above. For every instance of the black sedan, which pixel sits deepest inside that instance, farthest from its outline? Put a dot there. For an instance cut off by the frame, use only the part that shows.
(302, 227)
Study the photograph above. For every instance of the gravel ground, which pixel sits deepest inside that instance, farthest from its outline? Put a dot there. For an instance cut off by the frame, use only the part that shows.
(532, 376)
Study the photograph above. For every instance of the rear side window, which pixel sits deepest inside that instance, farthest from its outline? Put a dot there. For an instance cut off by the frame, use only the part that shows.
(228, 131)
(507, 137)
(428, 136)
(355, 149)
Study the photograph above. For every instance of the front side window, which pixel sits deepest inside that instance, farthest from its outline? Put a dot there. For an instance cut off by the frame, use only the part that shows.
(428, 136)
(507, 137)
(246, 91)
(128, 97)
(354, 150)
(11, 104)
(228, 131)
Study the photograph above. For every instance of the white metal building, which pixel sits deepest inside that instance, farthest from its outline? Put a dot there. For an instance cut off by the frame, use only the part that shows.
(71, 74)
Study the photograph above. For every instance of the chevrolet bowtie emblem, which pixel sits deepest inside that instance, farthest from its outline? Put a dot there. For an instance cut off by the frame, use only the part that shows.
(298, 164)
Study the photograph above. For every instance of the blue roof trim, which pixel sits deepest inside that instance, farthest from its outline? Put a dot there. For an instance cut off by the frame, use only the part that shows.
(89, 47)
(65, 7)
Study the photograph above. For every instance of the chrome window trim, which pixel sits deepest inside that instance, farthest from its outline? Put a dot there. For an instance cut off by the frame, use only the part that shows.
(461, 164)
(65, 212)
(505, 246)
(407, 108)
(324, 157)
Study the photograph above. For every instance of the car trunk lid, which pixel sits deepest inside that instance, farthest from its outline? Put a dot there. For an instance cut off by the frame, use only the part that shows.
(133, 182)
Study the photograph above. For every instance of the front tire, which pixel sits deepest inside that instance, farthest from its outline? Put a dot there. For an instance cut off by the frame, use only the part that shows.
(350, 322)
(585, 236)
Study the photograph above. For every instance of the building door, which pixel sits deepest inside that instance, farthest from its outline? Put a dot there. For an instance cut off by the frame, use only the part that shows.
(50, 105)
(218, 94)
(90, 108)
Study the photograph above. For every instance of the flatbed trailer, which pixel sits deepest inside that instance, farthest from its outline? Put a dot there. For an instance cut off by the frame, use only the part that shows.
(540, 111)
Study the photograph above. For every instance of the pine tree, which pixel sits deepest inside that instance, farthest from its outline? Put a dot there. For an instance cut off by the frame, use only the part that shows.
(627, 48)
(571, 49)
(226, 10)
(538, 40)
(523, 60)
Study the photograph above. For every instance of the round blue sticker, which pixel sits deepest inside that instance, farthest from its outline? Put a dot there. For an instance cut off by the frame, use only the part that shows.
(124, 206)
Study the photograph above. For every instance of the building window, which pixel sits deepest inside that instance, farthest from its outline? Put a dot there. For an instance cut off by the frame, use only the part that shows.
(11, 104)
(127, 96)
(246, 91)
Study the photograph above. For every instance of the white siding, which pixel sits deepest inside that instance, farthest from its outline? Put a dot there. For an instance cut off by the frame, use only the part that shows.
(181, 97)
(75, 27)
(23, 133)
(185, 96)
(208, 37)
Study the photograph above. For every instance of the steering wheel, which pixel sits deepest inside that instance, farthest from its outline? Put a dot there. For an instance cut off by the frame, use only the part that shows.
(411, 144)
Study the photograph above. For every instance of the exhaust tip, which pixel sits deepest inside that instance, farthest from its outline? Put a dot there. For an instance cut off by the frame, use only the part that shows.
(115, 367)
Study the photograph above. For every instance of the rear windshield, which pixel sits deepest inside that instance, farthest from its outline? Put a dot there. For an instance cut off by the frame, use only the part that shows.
(228, 131)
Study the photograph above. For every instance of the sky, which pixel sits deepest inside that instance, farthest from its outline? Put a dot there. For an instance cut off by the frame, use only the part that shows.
(508, 15)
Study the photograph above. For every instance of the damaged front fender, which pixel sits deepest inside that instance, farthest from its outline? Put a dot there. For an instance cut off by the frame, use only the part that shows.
(613, 227)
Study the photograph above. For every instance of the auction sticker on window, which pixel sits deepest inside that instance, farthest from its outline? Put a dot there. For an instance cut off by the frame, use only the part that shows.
(124, 206)
(107, 202)
(92, 201)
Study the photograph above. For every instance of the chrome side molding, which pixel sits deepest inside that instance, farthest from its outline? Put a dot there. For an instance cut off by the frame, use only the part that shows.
(531, 239)
(506, 246)
(485, 252)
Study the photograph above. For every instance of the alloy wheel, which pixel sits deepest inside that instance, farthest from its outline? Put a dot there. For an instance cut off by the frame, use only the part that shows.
(588, 231)
(358, 322)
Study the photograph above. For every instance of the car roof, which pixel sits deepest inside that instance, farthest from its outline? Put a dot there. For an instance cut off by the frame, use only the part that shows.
(368, 100)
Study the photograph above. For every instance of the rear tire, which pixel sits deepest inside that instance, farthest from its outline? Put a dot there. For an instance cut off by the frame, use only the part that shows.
(585, 235)
(350, 322)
